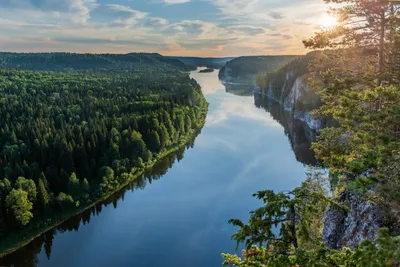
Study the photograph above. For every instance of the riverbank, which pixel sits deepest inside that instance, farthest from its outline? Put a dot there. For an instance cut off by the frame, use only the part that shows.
(46, 223)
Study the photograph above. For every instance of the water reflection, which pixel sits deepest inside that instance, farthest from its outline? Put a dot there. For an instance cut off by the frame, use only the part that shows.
(298, 132)
(240, 87)
(183, 216)
(27, 256)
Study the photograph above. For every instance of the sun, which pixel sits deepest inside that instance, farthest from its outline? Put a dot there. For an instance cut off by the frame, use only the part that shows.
(328, 21)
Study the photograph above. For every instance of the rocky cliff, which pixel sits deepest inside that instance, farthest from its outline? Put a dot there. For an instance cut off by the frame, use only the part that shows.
(289, 87)
(348, 228)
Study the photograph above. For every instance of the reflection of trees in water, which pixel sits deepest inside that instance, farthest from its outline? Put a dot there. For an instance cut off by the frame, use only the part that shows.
(27, 256)
(239, 87)
(299, 134)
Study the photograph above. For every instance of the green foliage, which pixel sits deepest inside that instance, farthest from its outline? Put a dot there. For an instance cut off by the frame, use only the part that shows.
(85, 185)
(206, 71)
(43, 195)
(65, 116)
(103, 62)
(279, 83)
(28, 186)
(386, 253)
(297, 214)
(286, 231)
(243, 67)
(215, 63)
(74, 185)
(108, 180)
(19, 206)
(64, 201)
(5, 186)
(364, 138)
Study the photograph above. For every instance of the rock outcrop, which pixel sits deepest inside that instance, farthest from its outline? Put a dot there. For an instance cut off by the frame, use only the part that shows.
(361, 221)
(288, 87)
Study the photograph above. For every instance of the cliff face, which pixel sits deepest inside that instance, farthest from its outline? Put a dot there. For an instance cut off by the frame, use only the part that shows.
(288, 86)
(296, 100)
(348, 228)
(300, 135)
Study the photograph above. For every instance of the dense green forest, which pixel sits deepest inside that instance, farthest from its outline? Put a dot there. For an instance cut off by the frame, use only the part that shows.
(213, 63)
(358, 83)
(245, 67)
(133, 62)
(71, 136)
(206, 71)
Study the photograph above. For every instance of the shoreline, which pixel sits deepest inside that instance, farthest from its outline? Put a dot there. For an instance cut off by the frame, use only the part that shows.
(32, 234)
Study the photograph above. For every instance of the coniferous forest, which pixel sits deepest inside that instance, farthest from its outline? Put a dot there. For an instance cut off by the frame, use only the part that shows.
(77, 127)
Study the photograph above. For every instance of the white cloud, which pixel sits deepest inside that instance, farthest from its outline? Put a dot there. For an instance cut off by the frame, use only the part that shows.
(174, 2)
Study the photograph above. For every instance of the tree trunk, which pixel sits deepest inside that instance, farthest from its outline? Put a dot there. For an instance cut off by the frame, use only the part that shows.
(292, 225)
(381, 45)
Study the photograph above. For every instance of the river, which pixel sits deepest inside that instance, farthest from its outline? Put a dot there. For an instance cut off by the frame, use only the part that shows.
(177, 215)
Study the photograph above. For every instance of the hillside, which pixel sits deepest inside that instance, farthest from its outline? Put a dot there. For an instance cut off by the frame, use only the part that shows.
(249, 67)
(214, 63)
(289, 85)
(68, 61)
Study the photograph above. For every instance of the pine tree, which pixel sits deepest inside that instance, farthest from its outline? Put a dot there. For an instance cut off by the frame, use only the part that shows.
(361, 23)
(42, 193)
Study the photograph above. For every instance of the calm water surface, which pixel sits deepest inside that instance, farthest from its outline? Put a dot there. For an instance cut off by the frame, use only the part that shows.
(178, 215)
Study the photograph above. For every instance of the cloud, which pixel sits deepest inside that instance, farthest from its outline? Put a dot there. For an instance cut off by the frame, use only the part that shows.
(174, 2)
(276, 15)
(249, 30)
(91, 41)
(192, 27)
(217, 28)
(231, 8)
(206, 43)
(282, 36)
(79, 10)
(155, 22)
(119, 15)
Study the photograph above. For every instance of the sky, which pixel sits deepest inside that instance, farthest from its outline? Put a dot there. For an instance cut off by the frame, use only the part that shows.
(204, 28)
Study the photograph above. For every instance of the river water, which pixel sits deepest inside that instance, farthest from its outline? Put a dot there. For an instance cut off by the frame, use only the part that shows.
(177, 215)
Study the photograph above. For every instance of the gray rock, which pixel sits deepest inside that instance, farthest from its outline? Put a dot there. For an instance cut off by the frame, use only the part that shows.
(347, 229)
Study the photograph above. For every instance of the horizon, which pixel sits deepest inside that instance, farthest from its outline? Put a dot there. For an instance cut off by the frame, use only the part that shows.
(189, 28)
(140, 52)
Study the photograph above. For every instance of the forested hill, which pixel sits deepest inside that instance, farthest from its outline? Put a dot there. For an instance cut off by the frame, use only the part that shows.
(72, 61)
(70, 137)
(215, 63)
(289, 85)
(248, 67)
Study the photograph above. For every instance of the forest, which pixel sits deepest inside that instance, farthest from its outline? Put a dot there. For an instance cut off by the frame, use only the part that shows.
(249, 66)
(212, 63)
(332, 220)
(74, 130)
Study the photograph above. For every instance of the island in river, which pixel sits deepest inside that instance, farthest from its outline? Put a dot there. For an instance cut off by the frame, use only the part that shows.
(206, 71)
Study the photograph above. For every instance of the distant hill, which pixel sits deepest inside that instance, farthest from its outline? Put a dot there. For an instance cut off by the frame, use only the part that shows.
(66, 61)
(248, 67)
(214, 63)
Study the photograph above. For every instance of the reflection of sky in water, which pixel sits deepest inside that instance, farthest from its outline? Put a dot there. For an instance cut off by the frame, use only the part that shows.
(181, 219)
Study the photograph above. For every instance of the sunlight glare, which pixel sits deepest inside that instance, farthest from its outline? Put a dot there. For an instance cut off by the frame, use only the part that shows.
(328, 21)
